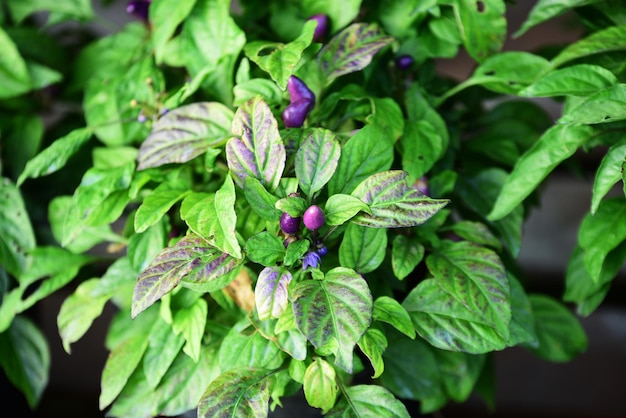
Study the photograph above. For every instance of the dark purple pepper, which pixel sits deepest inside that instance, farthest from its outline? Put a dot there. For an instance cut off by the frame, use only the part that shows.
(404, 62)
(298, 90)
(295, 114)
(288, 224)
(313, 218)
(310, 259)
(322, 27)
(139, 8)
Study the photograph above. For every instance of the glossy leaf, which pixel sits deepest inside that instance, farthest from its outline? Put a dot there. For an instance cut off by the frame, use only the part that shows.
(545, 10)
(476, 232)
(265, 248)
(522, 325)
(459, 372)
(577, 80)
(242, 392)
(482, 26)
(389, 310)
(260, 200)
(369, 401)
(270, 292)
(600, 233)
(603, 107)
(316, 160)
(165, 16)
(14, 75)
(257, 150)
(334, 312)
(363, 249)
(351, 50)
(184, 133)
(190, 258)
(561, 336)
(373, 344)
(293, 205)
(406, 254)
(163, 348)
(295, 251)
(267, 89)
(340, 208)
(244, 347)
(190, 322)
(277, 59)
(605, 40)
(55, 156)
(555, 145)
(320, 387)
(422, 147)
(17, 237)
(156, 204)
(368, 152)
(609, 172)
(394, 204)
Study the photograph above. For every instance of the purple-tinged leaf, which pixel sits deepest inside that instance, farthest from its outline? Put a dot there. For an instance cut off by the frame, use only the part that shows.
(191, 258)
(257, 150)
(185, 133)
(270, 293)
(242, 392)
(351, 50)
(334, 313)
(316, 160)
(394, 204)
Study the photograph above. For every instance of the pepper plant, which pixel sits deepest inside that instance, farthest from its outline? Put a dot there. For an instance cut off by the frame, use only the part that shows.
(283, 195)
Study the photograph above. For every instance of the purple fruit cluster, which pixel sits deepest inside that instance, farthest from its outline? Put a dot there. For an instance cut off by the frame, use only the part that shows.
(301, 99)
(139, 8)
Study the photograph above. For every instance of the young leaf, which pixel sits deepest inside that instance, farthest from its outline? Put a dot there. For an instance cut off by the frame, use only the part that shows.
(277, 59)
(351, 50)
(242, 349)
(260, 200)
(165, 16)
(363, 249)
(17, 237)
(387, 114)
(561, 336)
(243, 392)
(184, 133)
(265, 248)
(600, 233)
(191, 258)
(609, 172)
(577, 80)
(295, 251)
(334, 311)
(605, 40)
(14, 76)
(368, 152)
(394, 204)
(545, 10)
(340, 208)
(56, 155)
(163, 348)
(263, 87)
(373, 344)
(406, 254)
(482, 26)
(25, 358)
(422, 147)
(316, 160)
(555, 145)
(270, 292)
(368, 401)
(320, 386)
(156, 204)
(293, 205)
(190, 323)
(257, 151)
(603, 107)
(389, 310)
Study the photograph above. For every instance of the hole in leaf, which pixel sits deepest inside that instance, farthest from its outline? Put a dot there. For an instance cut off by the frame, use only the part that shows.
(512, 83)
(266, 51)
(607, 117)
(492, 72)
(480, 6)
(420, 157)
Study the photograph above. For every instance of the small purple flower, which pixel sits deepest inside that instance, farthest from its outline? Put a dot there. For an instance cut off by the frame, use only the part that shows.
(404, 62)
(311, 259)
(322, 27)
(142, 118)
(313, 218)
(139, 9)
(322, 251)
(164, 111)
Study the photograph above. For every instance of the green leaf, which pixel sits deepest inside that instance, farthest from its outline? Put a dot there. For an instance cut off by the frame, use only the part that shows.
(55, 156)
(295, 251)
(191, 259)
(242, 349)
(213, 217)
(277, 59)
(184, 133)
(263, 87)
(320, 386)
(17, 237)
(577, 80)
(165, 16)
(387, 114)
(76, 9)
(394, 204)
(603, 107)
(156, 204)
(316, 160)
(351, 50)
(335, 311)
(190, 323)
(369, 401)
(265, 248)
(406, 254)
(545, 10)
(340, 208)
(422, 147)
(373, 344)
(363, 249)
(25, 358)
(482, 26)
(368, 152)
(609, 172)
(459, 372)
(561, 337)
(340, 14)
(476, 232)
(293, 205)
(419, 107)
(389, 310)
(605, 40)
(163, 348)
(261, 201)
(522, 326)
(600, 233)
(14, 76)
(399, 16)
(243, 392)
(257, 150)
(555, 145)
(270, 292)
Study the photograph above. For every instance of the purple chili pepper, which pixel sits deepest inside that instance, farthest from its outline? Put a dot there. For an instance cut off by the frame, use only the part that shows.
(295, 114)
(139, 8)
(322, 27)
